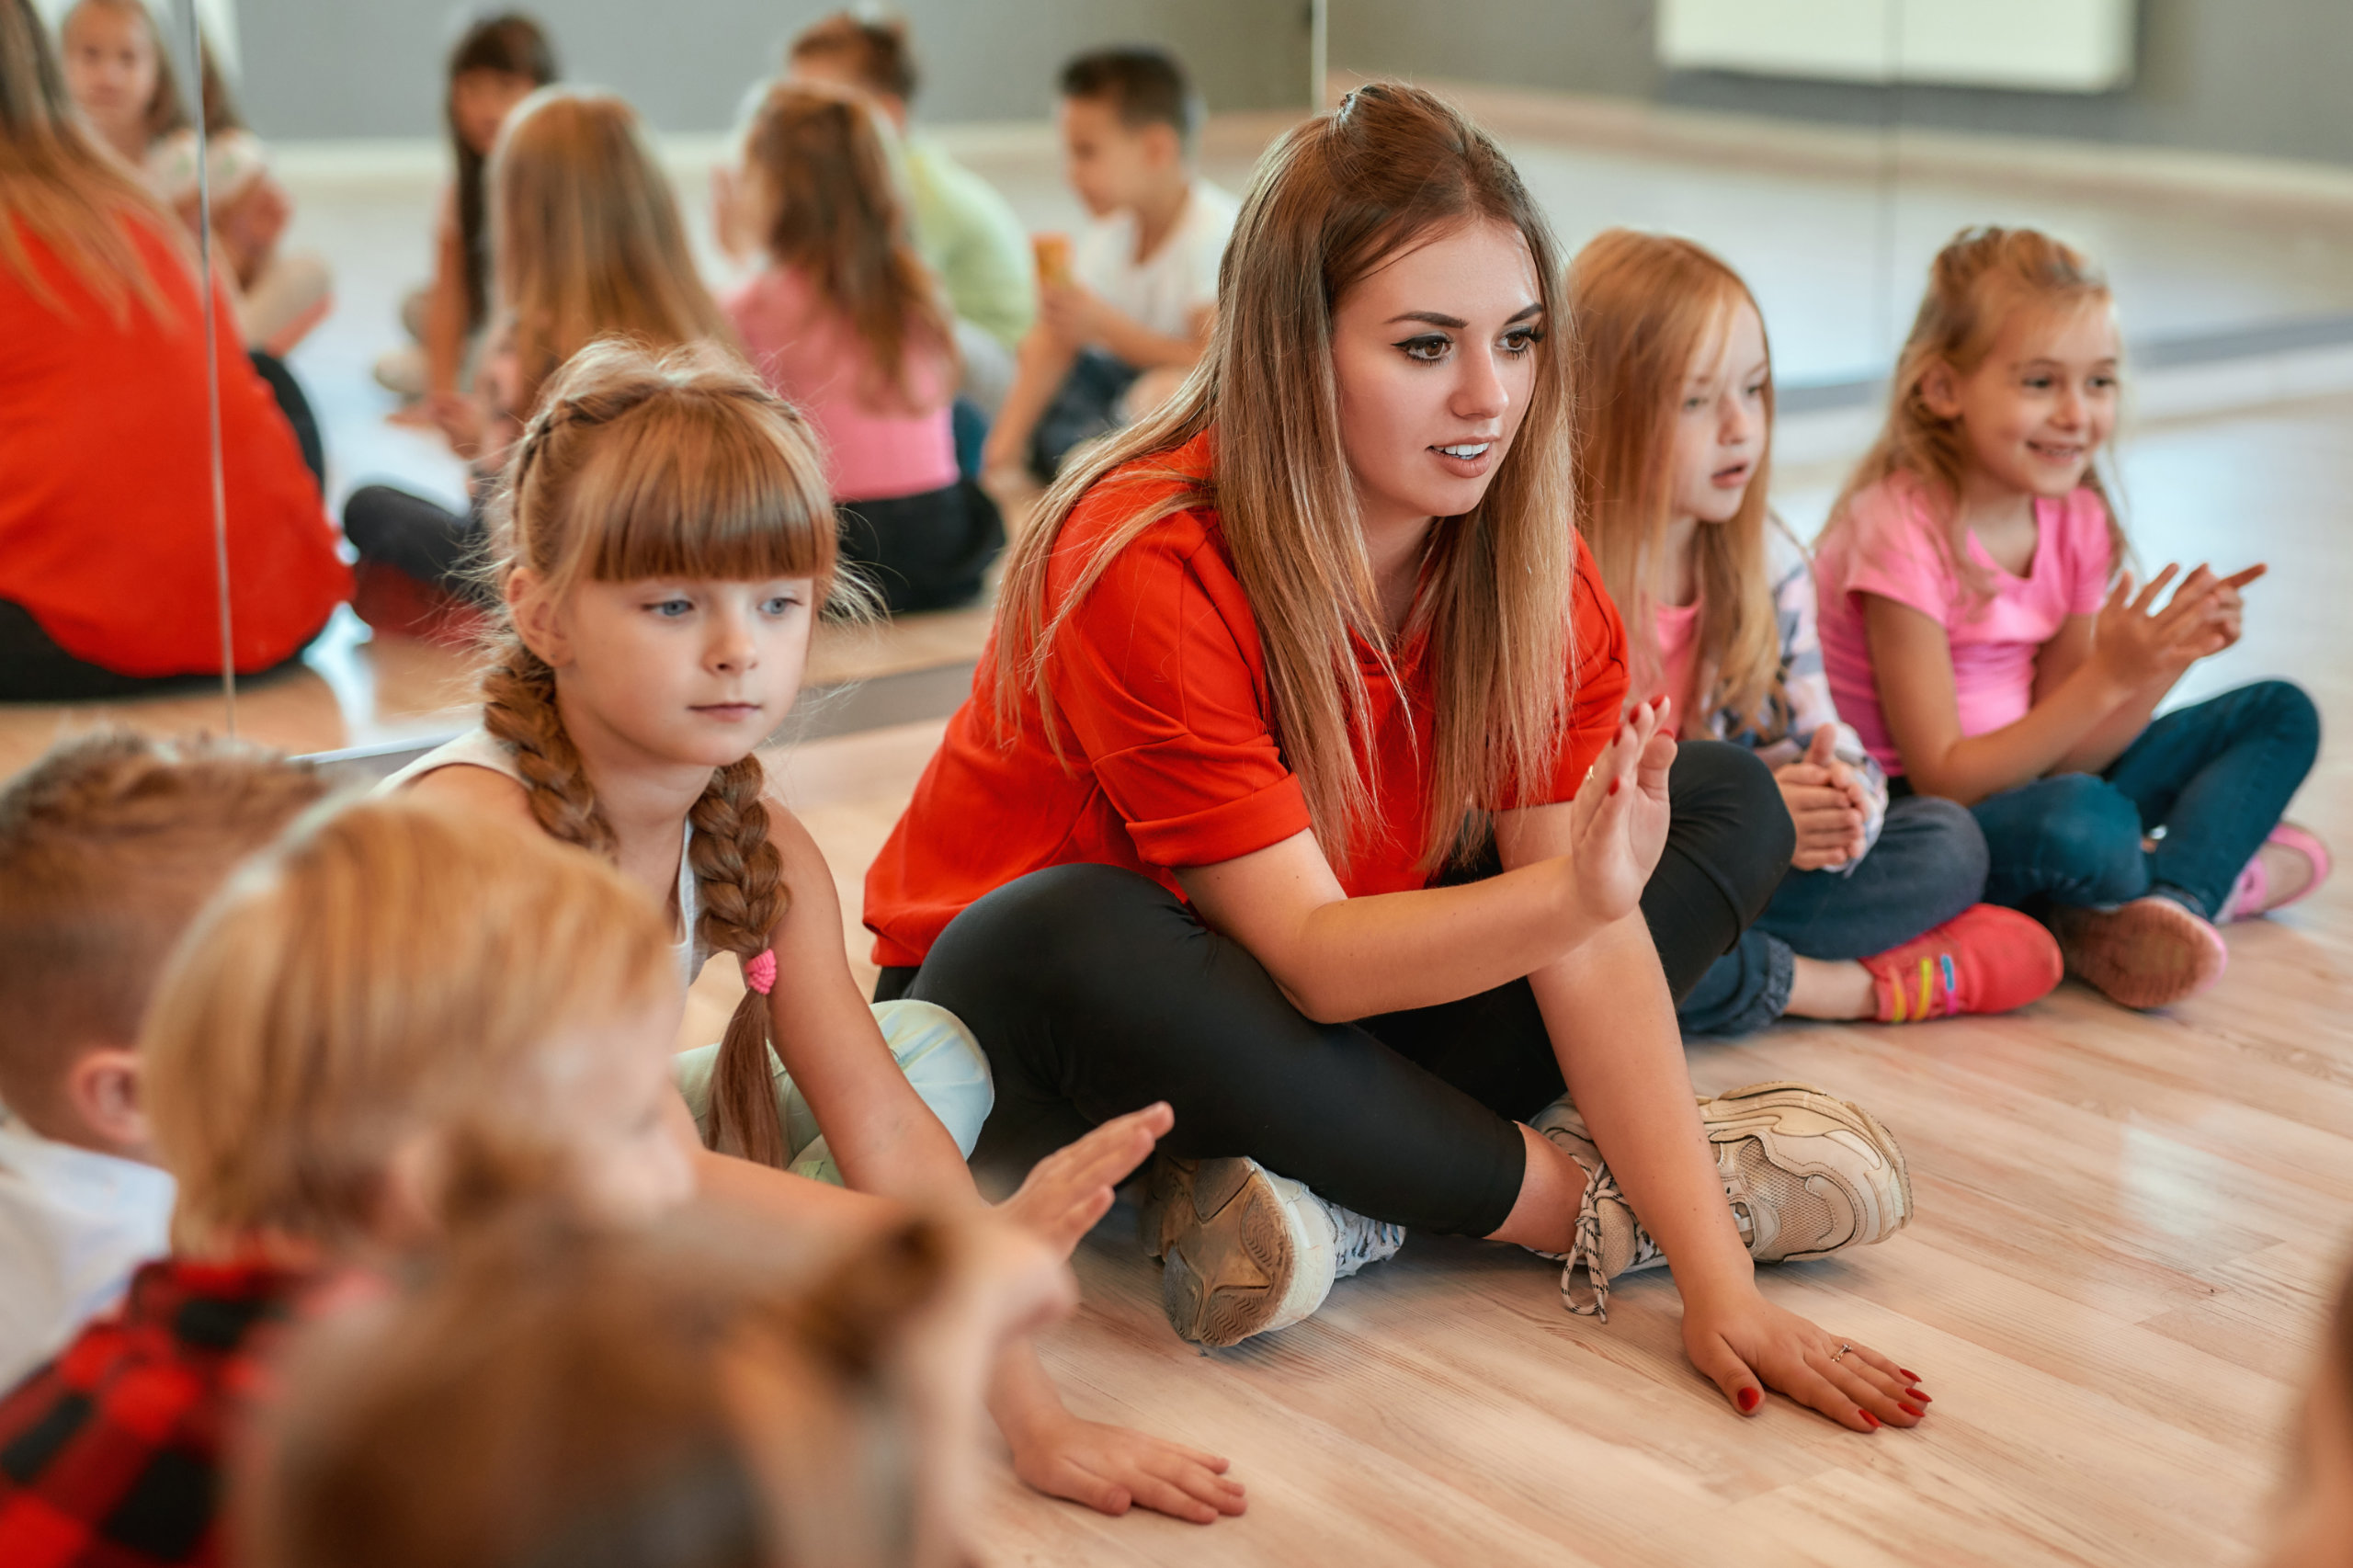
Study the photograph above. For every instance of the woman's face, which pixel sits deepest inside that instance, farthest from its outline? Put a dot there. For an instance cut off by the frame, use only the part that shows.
(480, 101)
(110, 69)
(1719, 422)
(1433, 354)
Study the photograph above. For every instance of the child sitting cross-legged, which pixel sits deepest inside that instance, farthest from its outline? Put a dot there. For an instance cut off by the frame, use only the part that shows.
(108, 847)
(1124, 315)
(554, 1395)
(402, 1023)
(1979, 633)
(664, 544)
(1878, 916)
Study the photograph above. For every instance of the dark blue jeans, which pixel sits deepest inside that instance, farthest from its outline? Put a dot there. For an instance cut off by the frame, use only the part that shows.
(2216, 776)
(1929, 866)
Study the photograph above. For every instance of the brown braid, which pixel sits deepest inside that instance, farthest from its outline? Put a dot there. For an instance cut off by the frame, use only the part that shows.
(739, 887)
(518, 706)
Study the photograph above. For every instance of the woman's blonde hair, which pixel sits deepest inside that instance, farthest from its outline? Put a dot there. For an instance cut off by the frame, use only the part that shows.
(59, 186)
(1981, 280)
(1645, 308)
(706, 1397)
(587, 237)
(394, 968)
(829, 209)
(1329, 202)
(684, 465)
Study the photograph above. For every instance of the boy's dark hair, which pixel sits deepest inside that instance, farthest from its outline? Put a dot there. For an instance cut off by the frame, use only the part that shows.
(875, 49)
(108, 846)
(1144, 85)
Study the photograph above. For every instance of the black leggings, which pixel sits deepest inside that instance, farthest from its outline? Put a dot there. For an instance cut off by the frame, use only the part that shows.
(926, 552)
(1095, 991)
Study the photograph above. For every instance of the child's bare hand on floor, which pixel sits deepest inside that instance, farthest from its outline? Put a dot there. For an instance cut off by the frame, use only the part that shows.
(1112, 1468)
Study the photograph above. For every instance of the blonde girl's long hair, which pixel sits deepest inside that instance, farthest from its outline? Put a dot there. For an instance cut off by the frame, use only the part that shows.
(394, 968)
(681, 466)
(830, 213)
(59, 186)
(588, 237)
(1329, 202)
(1982, 278)
(1644, 307)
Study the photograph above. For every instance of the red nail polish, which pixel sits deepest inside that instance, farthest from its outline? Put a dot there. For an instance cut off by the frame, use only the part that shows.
(1613, 786)
(1909, 1377)
(1915, 1393)
(1870, 1417)
(1749, 1399)
(1911, 1410)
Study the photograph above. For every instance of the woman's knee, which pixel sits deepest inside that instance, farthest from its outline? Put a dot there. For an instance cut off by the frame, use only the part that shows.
(1728, 811)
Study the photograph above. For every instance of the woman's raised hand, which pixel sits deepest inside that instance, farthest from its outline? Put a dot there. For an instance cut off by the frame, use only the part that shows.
(1618, 823)
(1068, 1190)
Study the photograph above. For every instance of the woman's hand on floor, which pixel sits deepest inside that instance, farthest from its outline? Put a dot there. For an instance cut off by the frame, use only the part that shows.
(1746, 1341)
(1112, 1468)
(1068, 1190)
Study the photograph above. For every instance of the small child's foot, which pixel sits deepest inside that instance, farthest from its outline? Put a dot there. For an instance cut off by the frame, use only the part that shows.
(2150, 953)
(1984, 959)
(2291, 864)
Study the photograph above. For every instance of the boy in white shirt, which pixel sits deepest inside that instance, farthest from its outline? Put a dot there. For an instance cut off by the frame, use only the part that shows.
(108, 846)
(1118, 334)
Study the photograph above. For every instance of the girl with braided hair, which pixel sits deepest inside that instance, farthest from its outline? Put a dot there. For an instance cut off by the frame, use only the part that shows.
(663, 541)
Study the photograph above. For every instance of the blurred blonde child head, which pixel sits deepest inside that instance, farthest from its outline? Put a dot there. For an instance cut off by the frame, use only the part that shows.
(664, 544)
(588, 238)
(822, 199)
(701, 1398)
(1676, 382)
(108, 846)
(2009, 319)
(404, 1018)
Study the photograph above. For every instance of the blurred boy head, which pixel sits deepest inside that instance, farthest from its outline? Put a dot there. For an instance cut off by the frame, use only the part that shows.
(108, 846)
(1129, 118)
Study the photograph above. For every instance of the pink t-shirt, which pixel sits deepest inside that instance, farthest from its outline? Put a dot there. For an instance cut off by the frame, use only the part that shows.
(1891, 546)
(1677, 629)
(814, 359)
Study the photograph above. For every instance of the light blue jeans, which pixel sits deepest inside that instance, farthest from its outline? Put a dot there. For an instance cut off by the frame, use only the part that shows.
(944, 1064)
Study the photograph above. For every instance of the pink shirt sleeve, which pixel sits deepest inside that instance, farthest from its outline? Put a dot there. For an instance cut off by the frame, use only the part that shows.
(2085, 523)
(1893, 552)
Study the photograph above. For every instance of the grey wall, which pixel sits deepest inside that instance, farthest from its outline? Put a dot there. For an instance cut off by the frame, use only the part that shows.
(2267, 77)
(344, 68)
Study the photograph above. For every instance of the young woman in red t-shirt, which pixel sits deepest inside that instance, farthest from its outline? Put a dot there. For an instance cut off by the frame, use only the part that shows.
(1294, 791)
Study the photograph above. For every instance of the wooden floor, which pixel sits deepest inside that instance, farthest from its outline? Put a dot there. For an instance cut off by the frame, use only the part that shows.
(2127, 1224)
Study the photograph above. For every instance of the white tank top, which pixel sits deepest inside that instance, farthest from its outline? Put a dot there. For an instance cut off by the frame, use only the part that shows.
(479, 748)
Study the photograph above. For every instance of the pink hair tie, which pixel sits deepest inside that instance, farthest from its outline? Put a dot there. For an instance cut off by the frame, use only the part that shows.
(759, 970)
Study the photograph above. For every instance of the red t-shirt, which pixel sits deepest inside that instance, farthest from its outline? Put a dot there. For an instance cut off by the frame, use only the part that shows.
(106, 479)
(1169, 754)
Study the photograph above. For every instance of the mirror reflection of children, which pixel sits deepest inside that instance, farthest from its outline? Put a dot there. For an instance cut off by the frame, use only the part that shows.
(496, 63)
(121, 75)
(1878, 918)
(1112, 344)
(1982, 633)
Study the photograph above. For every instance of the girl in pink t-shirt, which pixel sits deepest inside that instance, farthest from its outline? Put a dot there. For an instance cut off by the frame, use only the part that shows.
(846, 322)
(1877, 916)
(1977, 634)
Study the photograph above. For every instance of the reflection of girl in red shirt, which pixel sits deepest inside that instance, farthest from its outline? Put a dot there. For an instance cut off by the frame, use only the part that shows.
(1272, 800)
(107, 573)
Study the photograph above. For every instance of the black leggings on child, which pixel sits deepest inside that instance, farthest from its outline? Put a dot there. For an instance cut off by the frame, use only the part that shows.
(926, 552)
(1096, 991)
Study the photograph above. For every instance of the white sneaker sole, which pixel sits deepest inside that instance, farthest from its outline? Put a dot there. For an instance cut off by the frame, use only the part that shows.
(1241, 1256)
(1840, 1150)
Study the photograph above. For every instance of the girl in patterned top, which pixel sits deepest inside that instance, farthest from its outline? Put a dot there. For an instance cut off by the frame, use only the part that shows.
(1877, 916)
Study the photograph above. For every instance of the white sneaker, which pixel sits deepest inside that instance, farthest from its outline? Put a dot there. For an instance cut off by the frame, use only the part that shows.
(1246, 1252)
(1806, 1174)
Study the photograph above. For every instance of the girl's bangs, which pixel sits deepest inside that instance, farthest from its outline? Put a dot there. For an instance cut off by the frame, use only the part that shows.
(718, 502)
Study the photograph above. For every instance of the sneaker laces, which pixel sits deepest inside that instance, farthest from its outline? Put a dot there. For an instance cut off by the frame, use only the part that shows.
(1585, 1250)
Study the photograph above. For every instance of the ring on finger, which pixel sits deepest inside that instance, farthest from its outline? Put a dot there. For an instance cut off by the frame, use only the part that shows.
(1843, 1348)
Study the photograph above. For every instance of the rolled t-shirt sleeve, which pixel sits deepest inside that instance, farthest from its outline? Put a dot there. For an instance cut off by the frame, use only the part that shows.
(1155, 681)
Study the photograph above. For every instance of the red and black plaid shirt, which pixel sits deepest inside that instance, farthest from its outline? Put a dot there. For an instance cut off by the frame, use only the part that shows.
(108, 1454)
